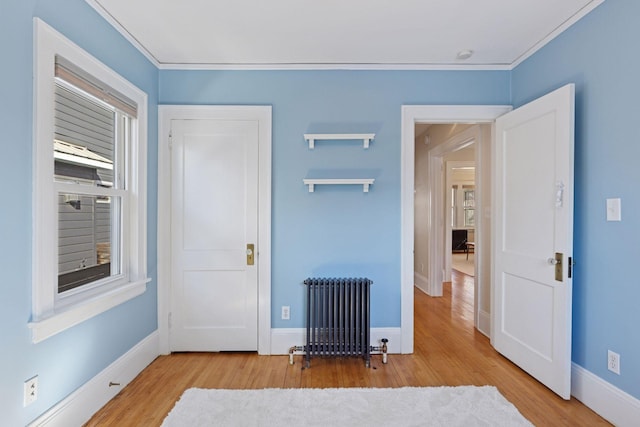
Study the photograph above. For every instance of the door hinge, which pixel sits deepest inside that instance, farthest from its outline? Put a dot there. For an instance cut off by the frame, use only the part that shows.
(170, 140)
(170, 320)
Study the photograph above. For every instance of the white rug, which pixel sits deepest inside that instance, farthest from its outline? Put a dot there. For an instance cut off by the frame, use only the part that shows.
(462, 264)
(408, 406)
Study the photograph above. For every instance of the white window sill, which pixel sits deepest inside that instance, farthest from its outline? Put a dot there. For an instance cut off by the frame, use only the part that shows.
(58, 322)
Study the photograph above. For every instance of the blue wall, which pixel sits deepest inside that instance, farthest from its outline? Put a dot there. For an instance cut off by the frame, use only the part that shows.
(336, 231)
(599, 54)
(71, 358)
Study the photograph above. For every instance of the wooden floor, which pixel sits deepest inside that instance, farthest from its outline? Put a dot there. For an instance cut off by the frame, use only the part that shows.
(448, 351)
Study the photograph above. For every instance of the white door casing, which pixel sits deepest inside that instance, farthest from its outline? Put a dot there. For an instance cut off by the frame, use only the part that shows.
(214, 217)
(533, 220)
(412, 114)
(185, 266)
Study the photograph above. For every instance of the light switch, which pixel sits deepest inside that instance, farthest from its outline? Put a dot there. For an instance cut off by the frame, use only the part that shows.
(614, 210)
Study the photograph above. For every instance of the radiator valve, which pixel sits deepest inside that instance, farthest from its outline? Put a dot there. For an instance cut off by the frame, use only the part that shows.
(292, 350)
(384, 350)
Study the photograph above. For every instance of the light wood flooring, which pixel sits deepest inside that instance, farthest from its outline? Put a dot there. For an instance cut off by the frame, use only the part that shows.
(448, 351)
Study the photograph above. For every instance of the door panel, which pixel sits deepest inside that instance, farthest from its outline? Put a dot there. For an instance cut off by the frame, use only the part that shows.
(203, 290)
(214, 176)
(528, 314)
(533, 221)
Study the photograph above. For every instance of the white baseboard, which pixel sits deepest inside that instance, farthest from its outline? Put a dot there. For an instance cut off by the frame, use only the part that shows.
(421, 282)
(484, 323)
(611, 403)
(282, 339)
(79, 406)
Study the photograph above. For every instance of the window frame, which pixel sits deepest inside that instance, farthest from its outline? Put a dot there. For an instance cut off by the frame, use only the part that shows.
(116, 191)
(51, 313)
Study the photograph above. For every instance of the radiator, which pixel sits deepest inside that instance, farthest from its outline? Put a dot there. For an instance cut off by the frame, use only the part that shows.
(338, 318)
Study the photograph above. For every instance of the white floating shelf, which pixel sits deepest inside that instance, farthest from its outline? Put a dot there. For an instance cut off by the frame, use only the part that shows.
(365, 182)
(312, 137)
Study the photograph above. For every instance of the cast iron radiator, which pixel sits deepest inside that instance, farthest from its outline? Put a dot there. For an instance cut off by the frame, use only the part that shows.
(338, 318)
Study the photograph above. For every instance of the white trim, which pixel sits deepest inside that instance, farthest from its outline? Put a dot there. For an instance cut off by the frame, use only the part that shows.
(421, 282)
(48, 315)
(123, 32)
(613, 404)
(344, 66)
(82, 404)
(435, 219)
(484, 323)
(341, 66)
(412, 114)
(263, 114)
(556, 32)
(78, 313)
(282, 339)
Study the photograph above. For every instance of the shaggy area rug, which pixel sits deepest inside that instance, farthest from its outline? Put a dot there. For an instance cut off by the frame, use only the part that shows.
(407, 406)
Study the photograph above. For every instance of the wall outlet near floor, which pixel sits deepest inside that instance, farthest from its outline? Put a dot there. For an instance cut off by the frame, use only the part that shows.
(613, 362)
(30, 390)
(286, 312)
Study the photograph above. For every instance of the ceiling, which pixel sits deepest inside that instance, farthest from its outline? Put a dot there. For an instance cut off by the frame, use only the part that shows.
(369, 34)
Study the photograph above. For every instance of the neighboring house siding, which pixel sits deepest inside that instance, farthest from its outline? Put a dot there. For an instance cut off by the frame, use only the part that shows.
(91, 126)
(83, 231)
(76, 241)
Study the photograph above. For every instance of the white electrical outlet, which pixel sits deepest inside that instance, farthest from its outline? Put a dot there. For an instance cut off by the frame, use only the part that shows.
(30, 390)
(613, 362)
(286, 312)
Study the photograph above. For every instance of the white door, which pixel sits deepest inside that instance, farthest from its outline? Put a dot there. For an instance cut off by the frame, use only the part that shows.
(533, 221)
(214, 217)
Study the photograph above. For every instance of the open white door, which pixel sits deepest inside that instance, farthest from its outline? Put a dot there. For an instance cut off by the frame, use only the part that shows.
(533, 238)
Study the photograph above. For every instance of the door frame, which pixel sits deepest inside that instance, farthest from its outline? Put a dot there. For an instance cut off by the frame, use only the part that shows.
(411, 115)
(263, 114)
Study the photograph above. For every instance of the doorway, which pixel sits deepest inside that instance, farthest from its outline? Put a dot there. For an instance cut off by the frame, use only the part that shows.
(517, 143)
(260, 115)
(411, 115)
(448, 195)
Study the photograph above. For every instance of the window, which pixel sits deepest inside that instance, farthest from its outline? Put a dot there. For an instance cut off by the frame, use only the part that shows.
(469, 204)
(89, 230)
(454, 206)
